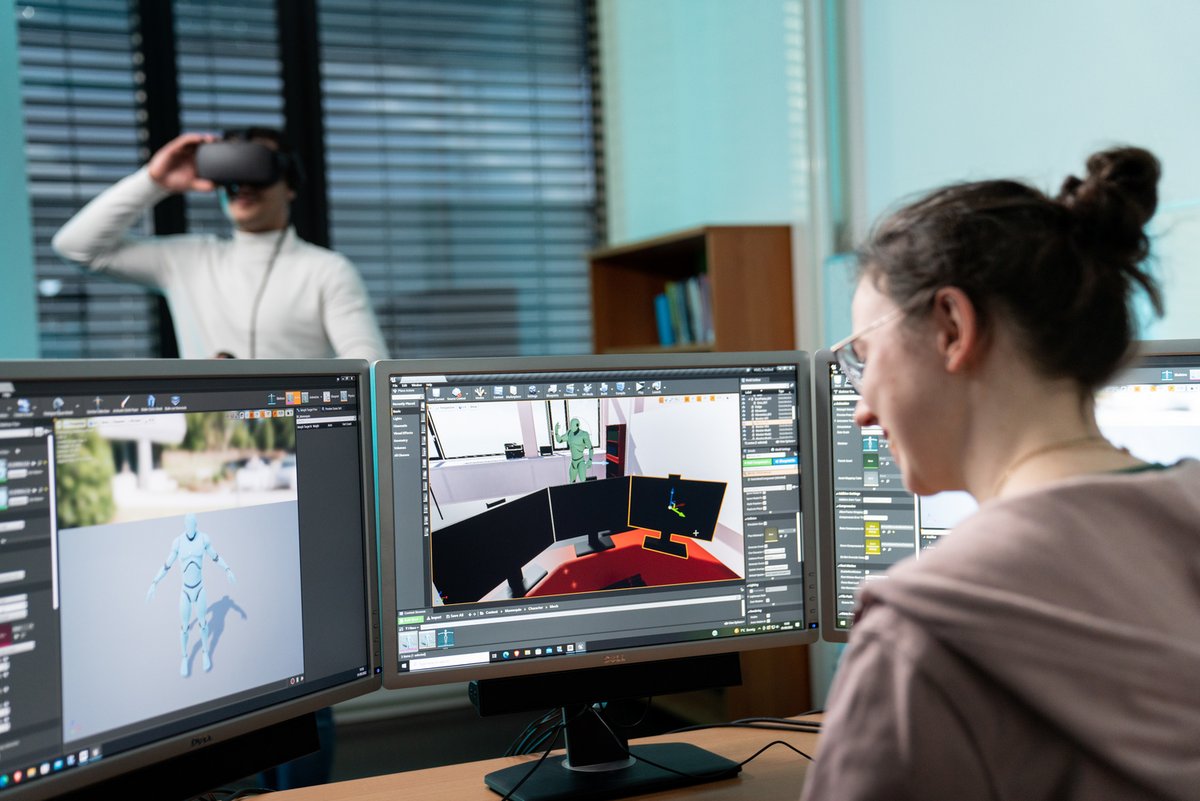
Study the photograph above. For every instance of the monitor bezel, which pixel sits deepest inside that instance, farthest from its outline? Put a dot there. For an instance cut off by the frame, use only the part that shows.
(823, 489)
(393, 679)
(196, 740)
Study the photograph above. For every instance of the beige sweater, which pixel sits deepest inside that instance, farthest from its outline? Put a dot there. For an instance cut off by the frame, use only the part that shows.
(1048, 649)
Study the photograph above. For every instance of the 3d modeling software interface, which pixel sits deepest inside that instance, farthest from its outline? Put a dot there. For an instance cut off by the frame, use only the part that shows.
(166, 549)
(557, 513)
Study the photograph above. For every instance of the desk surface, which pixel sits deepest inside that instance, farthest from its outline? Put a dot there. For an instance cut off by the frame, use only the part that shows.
(777, 773)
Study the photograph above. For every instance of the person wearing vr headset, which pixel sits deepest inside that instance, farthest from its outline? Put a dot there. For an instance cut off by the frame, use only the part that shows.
(264, 293)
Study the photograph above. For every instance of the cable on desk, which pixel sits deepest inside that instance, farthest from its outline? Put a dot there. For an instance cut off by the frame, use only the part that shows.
(743, 763)
(780, 724)
(227, 794)
(557, 730)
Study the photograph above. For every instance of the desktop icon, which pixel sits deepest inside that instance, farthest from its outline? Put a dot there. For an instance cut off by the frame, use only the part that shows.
(456, 392)
(512, 390)
(656, 386)
(326, 396)
(604, 388)
(620, 386)
(570, 389)
(480, 392)
(640, 386)
(150, 401)
(497, 392)
(552, 389)
(587, 389)
(270, 398)
(175, 400)
(533, 391)
(23, 405)
(1168, 375)
(58, 403)
(344, 396)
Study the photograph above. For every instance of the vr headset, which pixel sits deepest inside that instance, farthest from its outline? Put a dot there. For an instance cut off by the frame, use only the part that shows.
(241, 161)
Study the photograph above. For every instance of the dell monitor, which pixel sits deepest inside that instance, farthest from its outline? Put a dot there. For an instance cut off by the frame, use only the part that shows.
(568, 531)
(869, 521)
(186, 561)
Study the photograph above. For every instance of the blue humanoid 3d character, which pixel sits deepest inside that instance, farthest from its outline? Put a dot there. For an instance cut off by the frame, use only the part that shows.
(190, 548)
(578, 441)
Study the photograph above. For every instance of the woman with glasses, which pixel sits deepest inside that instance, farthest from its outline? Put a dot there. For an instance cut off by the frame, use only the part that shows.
(1050, 647)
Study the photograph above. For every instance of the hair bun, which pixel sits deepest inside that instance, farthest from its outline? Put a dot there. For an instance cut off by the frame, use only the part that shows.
(1116, 199)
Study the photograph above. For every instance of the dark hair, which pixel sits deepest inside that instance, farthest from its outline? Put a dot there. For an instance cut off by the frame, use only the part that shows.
(1062, 270)
(289, 161)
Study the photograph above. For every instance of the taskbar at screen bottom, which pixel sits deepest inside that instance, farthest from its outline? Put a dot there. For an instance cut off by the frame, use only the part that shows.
(542, 649)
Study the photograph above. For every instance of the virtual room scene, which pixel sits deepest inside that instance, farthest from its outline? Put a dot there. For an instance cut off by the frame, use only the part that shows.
(645, 493)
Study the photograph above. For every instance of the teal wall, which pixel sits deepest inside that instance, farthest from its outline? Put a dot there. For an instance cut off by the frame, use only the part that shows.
(696, 114)
(956, 90)
(18, 309)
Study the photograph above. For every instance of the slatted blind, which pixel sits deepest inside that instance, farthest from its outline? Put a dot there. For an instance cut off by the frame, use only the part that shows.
(81, 128)
(459, 150)
(227, 58)
(460, 155)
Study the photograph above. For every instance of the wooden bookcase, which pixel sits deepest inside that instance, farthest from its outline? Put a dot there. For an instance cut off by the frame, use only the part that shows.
(749, 270)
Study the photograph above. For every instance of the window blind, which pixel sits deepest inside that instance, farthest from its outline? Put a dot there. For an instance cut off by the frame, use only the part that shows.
(227, 60)
(459, 150)
(81, 114)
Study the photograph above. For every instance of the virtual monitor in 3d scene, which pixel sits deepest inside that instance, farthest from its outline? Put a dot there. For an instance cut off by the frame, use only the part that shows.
(870, 521)
(188, 549)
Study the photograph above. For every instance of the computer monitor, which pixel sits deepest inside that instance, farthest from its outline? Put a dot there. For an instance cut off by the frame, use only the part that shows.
(868, 521)
(546, 517)
(186, 559)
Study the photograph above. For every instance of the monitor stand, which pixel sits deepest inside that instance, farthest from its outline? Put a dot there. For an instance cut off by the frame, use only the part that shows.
(664, 544)
(520, 584)
(597, 541)
(599, 764)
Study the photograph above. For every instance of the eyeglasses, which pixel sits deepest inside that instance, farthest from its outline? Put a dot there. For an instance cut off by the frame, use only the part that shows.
(848, 358)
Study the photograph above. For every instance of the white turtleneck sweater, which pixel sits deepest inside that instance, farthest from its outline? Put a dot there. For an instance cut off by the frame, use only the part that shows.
(313, 305)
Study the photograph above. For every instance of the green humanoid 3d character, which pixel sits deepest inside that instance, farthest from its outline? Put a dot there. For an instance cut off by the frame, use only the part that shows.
(577, 440)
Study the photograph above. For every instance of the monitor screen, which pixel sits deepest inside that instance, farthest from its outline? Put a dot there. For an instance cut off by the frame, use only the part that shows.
(186, 556)
(869, 521)
(541, 515)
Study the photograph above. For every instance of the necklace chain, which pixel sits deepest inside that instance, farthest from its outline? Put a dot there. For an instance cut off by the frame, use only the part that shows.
(1062, 445)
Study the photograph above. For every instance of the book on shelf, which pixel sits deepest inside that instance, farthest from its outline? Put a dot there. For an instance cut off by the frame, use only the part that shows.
(683, 312)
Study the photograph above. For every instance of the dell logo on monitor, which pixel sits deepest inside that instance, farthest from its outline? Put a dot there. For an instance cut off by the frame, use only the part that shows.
(614, 659)
(199, 741)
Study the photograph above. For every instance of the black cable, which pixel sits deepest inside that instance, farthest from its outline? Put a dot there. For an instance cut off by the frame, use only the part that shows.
(231, 794)
(778, 724)
(262, 287)
(557, 730)
(741, 764)
(640, 720)
(518, 745)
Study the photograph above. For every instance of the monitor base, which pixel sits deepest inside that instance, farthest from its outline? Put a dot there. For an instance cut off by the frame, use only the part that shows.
(553, 781)
(664, 544)
(597, 542)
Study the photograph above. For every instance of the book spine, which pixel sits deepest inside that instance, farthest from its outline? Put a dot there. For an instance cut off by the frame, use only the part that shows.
(662, 317)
